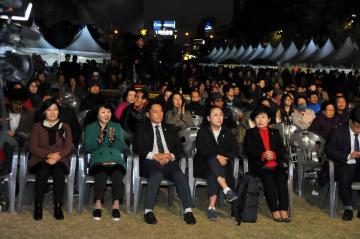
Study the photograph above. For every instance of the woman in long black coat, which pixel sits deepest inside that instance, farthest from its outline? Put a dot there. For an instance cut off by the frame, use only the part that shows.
(268, 160)
(216, 148)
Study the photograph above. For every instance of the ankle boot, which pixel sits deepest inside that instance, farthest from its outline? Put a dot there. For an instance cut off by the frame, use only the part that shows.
(38, 215)
(58, 213)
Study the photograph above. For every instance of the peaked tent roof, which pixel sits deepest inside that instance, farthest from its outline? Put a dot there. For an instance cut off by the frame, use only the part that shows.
(239, 52)
(84, 44)
(40, 46)
(306, 53)
(278, 51)
(290, 52)
(213, 52)
(248, 51)
(324, 51)
(259, 49)
(223, 55)
(343, 55)
(267, 52)
(217, 54)
(231, 53)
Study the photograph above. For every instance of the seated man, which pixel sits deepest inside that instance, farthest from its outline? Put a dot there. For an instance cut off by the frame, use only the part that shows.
(159, 149)
(20, 122)
(343, 147)
(195, 107)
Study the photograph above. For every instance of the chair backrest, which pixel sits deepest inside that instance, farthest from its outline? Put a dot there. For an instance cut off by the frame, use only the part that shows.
(197, 120)
(188, 138)
(81, 117)
(71, 101)
(310, 146)
(286, 131)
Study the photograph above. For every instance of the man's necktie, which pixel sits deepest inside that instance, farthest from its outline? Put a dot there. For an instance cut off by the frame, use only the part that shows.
(158, 140)
(356, 143)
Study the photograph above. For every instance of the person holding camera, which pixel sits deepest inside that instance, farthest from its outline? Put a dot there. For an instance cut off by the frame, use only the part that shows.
(104, 140)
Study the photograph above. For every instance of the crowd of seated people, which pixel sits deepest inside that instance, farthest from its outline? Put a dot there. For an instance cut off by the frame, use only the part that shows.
(308, 100)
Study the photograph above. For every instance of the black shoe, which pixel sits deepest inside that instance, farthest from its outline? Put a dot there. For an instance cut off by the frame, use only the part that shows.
(116, 214)
(189, 218)
(348, 215)
(286, 220)
(230, 196)
(38, 215)
(358, 214)
(97, 214)
(150, 218)
(58, 213)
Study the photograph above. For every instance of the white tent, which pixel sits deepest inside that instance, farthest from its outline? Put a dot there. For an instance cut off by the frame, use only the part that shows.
(324, 51)
(239, 53)
(218, 53)
(343, 55)
(248, 51)
(290, 52)
(213, 52)
(221, 57)
(259, 49)
(306, 53)
(278, 51)
(40, 46)
(231, 53)
(267, 52)
(84, 45)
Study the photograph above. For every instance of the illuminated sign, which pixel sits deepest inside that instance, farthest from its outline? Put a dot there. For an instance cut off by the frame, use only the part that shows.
(208, 27)
(160, 25)
(165, 32)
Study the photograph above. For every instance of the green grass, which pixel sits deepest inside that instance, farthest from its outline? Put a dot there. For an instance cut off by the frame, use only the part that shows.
(309, 221)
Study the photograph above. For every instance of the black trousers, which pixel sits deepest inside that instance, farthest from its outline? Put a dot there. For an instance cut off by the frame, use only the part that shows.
(216, 170)
(43, 171)
(345, 175)
(101, 174)
(155, 172)
(275, 189)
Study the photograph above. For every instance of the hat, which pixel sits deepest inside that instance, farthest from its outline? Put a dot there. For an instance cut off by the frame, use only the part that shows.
(215, 96)
(96, 73)
(92, 83)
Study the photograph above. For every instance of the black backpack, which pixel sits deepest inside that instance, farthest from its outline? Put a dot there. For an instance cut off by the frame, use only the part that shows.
(245, 208)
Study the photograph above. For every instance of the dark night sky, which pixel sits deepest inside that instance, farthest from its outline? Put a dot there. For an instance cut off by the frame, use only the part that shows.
(190, 11)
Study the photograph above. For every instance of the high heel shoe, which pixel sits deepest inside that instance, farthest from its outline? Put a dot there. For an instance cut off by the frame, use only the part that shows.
(277, 219)
(38, 215)
(58, 213)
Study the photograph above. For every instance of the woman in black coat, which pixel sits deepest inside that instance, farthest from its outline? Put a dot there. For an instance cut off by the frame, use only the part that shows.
(216, 148)
(268, 160)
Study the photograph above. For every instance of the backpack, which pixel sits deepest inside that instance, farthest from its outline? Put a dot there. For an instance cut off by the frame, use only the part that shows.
(245, 208)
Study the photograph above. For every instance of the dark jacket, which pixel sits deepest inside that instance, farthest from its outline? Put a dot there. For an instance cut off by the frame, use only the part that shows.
(131, 118)
(338, 145)
(144, 140)
(323, 125)
(207, 147)
(196, 109)
(254, 149)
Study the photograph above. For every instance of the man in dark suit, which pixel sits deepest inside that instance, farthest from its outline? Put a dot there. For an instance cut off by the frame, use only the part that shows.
(159, 148)
(343, 148)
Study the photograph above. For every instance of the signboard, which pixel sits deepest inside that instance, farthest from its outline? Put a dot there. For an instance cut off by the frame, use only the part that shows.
(162, 25)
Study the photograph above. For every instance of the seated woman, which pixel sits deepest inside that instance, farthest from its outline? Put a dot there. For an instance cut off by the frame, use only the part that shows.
(286, 109)
(50, 146)
(176, 115)
(268, 161)
(129, 98)
(325, 120)
(302, 117)
(216, 148)
(104, 140)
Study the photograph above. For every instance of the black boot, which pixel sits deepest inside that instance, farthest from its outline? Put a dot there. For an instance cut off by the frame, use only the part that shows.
(58, 213)
(38, 215)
